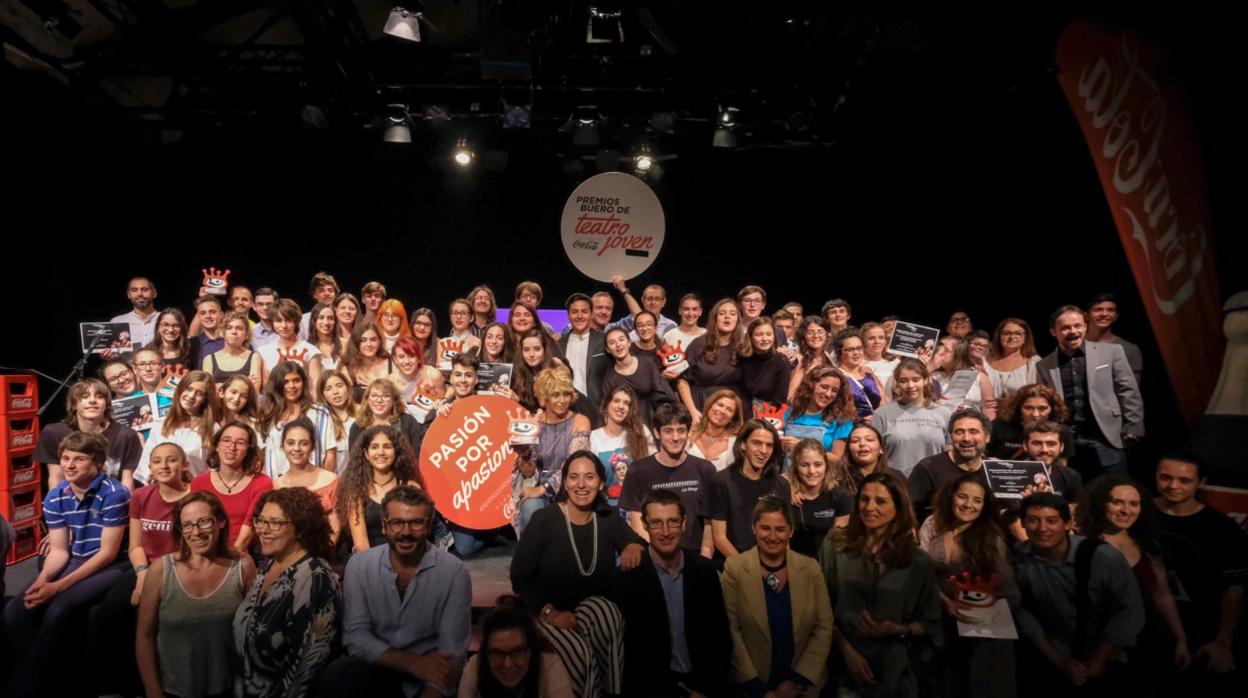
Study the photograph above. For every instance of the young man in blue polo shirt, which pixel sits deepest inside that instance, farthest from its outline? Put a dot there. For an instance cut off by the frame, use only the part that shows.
(86, 515)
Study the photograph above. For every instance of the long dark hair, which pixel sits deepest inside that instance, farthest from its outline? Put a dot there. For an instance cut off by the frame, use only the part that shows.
(634, 433)
(273, 404)
(982, 541)
(1093, 520)
(600, 500)
(357, 479)
(251, 462)
(510, 613)
(897, 544)
(773, 465)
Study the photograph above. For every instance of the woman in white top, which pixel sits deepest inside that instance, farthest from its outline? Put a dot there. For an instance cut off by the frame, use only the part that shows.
(189, 423)
(1012, 357)
(324, 335)
(715, 434)
(285, 315)
(875, 344)
(688, 329)
(334, 392)
(621, 440)
(979, 395)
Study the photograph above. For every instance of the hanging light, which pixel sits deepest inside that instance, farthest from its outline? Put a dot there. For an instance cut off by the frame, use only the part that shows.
(398, 129)
(403, 23)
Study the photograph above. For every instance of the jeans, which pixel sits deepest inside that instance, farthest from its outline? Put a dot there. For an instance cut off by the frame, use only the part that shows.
(1094, 457)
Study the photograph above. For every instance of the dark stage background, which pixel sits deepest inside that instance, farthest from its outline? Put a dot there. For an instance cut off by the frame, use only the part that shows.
(949, 186)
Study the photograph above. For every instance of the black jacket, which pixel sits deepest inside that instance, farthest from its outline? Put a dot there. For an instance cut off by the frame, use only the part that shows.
(647, 636)
(598, 362)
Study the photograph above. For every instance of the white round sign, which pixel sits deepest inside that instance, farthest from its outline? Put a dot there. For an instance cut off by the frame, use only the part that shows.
(612, 224)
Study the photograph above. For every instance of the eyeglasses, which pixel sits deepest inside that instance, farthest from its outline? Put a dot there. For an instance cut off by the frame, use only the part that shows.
(203, 524)
(852, 350)
(665, 524)
(233, 443)
(422, 323)
(120, 378)
(262, 524)
(398, 525)
(516, 655)
(460, 313)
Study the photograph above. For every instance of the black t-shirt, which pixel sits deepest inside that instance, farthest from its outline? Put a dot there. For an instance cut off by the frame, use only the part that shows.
(1007, 443)
(1204, 553)
(689, 480)
(930, 475)
(124, 446)
(732, 498)
(815, 518)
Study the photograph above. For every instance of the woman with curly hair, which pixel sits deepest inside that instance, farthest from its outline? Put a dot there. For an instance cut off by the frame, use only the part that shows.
(966, 541)
(380, 461)
(822, 409)
(1030, 404)
(287, 625)
(1116, 509)
(883, 589)
(814, 349)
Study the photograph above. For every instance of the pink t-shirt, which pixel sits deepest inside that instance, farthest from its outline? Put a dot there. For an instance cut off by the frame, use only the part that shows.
(155, 517)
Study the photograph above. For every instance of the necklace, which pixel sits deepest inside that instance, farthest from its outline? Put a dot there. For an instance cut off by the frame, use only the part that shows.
(379, 485)
(593, 562)
(773, 578)
(229, 488)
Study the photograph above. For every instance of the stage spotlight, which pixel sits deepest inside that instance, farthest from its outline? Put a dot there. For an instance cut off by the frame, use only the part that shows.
(398, 129)
(463, 154)
(643, 161)
(728, 116)
(403, 23)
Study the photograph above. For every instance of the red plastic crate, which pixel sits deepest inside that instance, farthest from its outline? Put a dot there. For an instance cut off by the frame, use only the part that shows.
(25, 543)
(22, 504)
(18, 434)
(19, 394)
(19, 471)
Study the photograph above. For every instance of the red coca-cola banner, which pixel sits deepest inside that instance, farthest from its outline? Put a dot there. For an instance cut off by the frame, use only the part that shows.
(1139, 129)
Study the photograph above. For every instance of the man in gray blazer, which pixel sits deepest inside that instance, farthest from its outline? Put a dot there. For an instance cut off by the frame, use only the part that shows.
(1106, 411)
(585, 348)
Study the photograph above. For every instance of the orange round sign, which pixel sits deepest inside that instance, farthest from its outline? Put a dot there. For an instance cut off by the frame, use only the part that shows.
(467, 461)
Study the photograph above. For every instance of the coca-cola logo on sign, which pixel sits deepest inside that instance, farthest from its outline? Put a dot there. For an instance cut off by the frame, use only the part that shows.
(21, 403)
(20, 440)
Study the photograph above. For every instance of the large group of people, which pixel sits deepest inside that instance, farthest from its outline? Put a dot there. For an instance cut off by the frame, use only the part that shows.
(767, 505)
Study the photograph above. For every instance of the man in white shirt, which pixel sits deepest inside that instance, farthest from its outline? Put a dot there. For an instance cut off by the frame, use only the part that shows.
(585, 348)
(142, 317)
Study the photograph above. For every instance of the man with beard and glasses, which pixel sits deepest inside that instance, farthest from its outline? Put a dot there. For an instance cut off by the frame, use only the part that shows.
(968, 429)
(407, 610)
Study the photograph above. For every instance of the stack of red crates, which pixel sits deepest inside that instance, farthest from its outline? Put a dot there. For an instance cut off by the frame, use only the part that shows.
(20, 475)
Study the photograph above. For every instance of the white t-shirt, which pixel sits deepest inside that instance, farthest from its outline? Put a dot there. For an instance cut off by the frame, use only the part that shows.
(273, 354)
(188, 439)
(721, 461)
(676, 335)
(275, 462)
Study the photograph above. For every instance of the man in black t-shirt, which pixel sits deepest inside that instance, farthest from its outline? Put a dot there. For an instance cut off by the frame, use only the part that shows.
(88, 408)
(671, 468)
(1207, 555)
(968, 431)
(754, 473)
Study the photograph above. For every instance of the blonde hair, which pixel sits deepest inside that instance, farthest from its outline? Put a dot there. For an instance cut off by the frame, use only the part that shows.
(549, 381)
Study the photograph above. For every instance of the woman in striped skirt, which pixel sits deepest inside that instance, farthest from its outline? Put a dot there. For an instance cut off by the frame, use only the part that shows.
(565, 566)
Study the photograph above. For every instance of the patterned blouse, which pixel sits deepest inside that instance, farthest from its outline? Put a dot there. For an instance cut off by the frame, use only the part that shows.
(286, 635)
